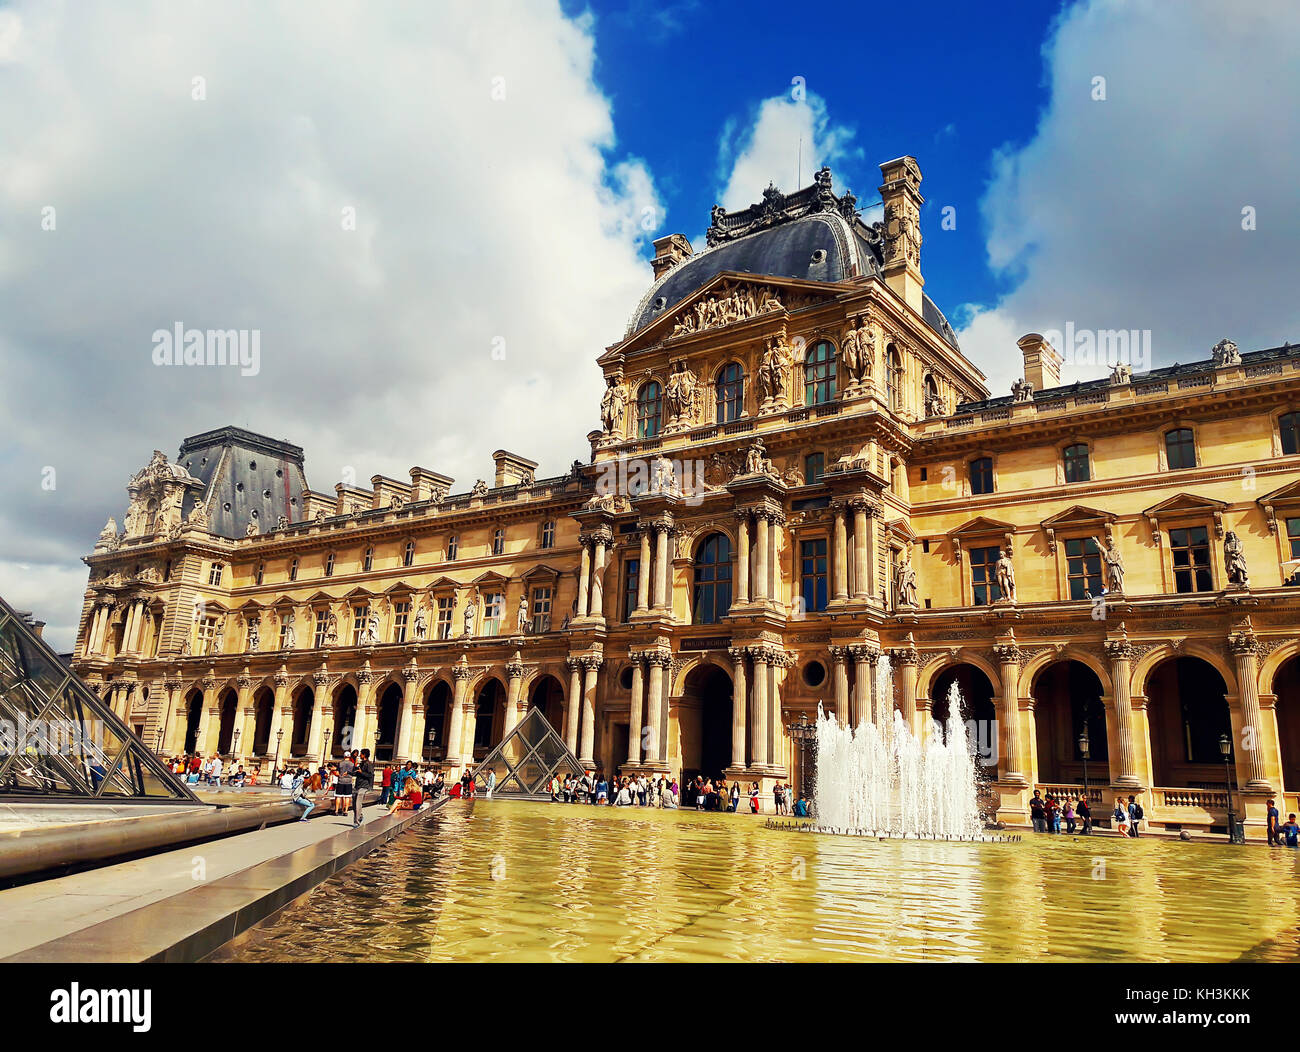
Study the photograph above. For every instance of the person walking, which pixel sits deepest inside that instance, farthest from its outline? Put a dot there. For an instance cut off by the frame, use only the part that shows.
(1067, 815)
(364, 780)
(1085, 815)
(343, 787)
(1274, 818)
(386, 785)
(491, 781)
(735, 795)
(1135, 815)
(1120, 817)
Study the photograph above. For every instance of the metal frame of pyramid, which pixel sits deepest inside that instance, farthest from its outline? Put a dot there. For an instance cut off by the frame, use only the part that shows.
(59, 742)
(527, 758)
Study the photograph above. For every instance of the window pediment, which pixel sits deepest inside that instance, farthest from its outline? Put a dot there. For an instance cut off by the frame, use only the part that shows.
(1185, 506)
(1285, 497)
(1078, 517)
(977, 528)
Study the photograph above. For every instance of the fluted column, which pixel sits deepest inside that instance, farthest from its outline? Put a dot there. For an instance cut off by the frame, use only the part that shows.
(317, 746)
(635, 710)
(514, 680)
(739, 703)
(762, 679)
(174, 733)
(861, 684)
(762, 555)
(281, 713)
(574, 665)
(742, 556)
(658, 661)
(839, 659)
(780, 661)
(461, 673)
(209, 719)
(407, 736)
(861, 551)
(602, 538)
(590, 666)
(91, 634)
(363, 724)
(1008, 655)
(643, 571)
(840, 555)
(775, 521)
(663, 567)
(128, 623)
(584, 576)
(904, 660)
(1122, 767)
(245, 716)
(1245, 653)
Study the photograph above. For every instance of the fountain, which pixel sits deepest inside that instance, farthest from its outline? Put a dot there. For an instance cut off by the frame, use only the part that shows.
(881, 779)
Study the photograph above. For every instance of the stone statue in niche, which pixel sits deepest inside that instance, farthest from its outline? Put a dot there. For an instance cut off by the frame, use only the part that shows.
(679, 395)
(1006, 574)
(905, 580)
(612, 405)
(421, 624)
(664, 478)
(332, 630)
(470, 613)
(772, 385)
(1234, 561)
(254, 637)
(290, 634)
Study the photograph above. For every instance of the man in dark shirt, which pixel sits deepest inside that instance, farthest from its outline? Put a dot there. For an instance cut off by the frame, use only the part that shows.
(363, 780)
(1274, 823)
(1085, 813)
(1036, 813)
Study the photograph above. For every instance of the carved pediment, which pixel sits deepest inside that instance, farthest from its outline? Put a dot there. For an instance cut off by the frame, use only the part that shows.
(542, 572)
(490, 578)
(1183, 505)
(980, 527)
(1078, 517)
(1285, 497)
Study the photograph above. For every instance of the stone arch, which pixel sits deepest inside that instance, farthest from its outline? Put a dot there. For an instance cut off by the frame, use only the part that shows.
(1040, 662)
(1284, 683)
(490, 696)
(437, 697)
(932, 669)
(1188, 712)
(302, 703)
(263, 701)
(1146, 664)
(1272, 665)
(704, 720)
(547, 693)
(1068, 694)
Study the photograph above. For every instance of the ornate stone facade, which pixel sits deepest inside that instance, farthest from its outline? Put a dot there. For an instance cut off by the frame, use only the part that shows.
(798, 480)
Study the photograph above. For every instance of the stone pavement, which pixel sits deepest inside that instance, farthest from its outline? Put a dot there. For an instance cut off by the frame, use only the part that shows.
(177, 904)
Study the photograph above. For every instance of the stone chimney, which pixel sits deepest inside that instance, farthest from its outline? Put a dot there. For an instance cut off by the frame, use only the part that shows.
(902, 198)
(429, 485)
(669, 251)
(512, 469)
(1042, 363)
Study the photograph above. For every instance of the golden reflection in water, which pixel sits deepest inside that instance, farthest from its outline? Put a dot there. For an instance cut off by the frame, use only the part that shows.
(505, 880)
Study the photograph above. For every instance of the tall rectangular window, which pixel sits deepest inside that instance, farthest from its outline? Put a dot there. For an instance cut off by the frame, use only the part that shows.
(814, 467)
(1288, 426)
(981, 475)
(322, 626)
(359, 615)
(1077, 468)
(631, 578)
(207, 630)
(214, 575)
(453, 544)
(548, 534)
(812, 574)
(1083, 567)
(819, 374)
(730, 391)
(984, 576)
(1293, 537)
(1180, 448)
(445, 606)
(541, 610)
(498, 542)
(494, 605)
(401, 611)
(1190, 550)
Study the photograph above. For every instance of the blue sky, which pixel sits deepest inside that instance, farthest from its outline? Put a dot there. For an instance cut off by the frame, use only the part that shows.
(947, 82)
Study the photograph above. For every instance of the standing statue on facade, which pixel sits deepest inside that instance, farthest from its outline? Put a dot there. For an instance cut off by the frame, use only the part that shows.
(612, 405)
(289, 635)
(470, 614)
(522, 620)
(1114, 563)
(1234, 561)
(254, 637)
(1225, 353)
(905, 581)
(1006, 576)
(332, 630)
(421, 624)
(372, 629)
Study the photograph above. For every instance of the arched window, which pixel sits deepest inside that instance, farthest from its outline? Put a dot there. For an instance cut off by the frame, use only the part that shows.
(712, 596)
(369, 561)
(819, 373)
(894, 378)
(1077, 467)
(1288, 425)
(814, 467)
(408, 553)
(1180, 448)
(649, 410)
(730, 391)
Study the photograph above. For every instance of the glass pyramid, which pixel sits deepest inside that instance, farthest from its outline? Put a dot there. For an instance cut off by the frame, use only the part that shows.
(58, 740)
(527, 758)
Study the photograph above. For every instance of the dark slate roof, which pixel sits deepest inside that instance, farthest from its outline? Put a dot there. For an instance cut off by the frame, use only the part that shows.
(1177, 370)
(244, 473)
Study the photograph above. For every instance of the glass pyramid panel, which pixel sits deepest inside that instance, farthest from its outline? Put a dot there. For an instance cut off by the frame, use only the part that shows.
(535, 752)
(57, 739)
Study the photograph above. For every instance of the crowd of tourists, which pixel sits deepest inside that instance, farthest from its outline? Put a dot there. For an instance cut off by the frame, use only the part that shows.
(664, 791)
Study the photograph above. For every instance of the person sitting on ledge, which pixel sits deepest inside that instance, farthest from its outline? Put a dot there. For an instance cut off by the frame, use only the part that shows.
(801, 808)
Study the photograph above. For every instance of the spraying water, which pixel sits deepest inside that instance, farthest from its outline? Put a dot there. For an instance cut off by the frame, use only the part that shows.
(881, 777)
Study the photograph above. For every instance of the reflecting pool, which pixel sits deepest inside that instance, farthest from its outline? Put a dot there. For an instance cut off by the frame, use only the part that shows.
(513, 881)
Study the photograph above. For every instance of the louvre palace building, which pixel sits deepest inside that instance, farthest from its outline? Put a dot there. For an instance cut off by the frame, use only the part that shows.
(800, 494)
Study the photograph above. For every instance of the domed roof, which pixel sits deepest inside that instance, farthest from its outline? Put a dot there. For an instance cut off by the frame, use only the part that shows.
(811, 235)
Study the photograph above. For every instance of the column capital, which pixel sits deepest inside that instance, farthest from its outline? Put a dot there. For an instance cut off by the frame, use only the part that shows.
(1244, 644)
(662, 658)
(515, 669)
(209, 680)
(410, 672)
(461, 671)
(596, 535)
(904, 655)
(1007, 653)
(591, 662)
(839, 653)
(862, 502)
(573, 662)
(865, 652)
(1119, 649)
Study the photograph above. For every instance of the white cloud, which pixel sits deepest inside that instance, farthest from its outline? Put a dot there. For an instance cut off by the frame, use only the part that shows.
(1127, 213)
(477, 219)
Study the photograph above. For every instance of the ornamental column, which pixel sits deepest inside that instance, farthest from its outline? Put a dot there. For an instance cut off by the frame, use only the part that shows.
(1122, 768)
(317, 745)
(364, 723)
(209, 718)
(584, 575)
(781, 660)
(839, 656)
(643, 571)
(863, 548)
(574, 665)
(602, 538)
(762, 678)
(281, 713)
(515, 680)
(658, 661)
(840, 555)
(590, 665)
(861, 684)
(244, 708)
(905, 661)
(663, 566)
(775, 520)
(92, 630)
(742, 556)
(407, 735)
(1008, 655)
(739, 703)
(461, 673)
(635, 710)
(1245, 652)
(175, 718)
(762, 558)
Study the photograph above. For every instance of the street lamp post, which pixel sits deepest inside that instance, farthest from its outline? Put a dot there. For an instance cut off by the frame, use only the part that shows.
(326, 746)
(802, 733)
(1085, 749)
(275, 766)
(1225, 750)
(234, 745)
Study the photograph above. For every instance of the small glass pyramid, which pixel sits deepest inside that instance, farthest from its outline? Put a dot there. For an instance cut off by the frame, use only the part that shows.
(527, 759)
(58, 740)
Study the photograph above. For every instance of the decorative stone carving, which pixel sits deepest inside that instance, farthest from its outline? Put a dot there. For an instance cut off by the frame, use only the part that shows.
(290, 633)
(1114, 564)
(1022, 391)
(332, 630)
(108, 537)
(857, 351)
(251, 529)
(480, 489)
(470, 613)
(681, 395)
(756, 461)
(1234, 561)
(905, 581)
(776, 208)
(254, 637)
(1006, 572)
(1225, 353)
(1122, 373)
(773, 384)
(664, 477)
(421, 626)
(613, 404)
(522, 621)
